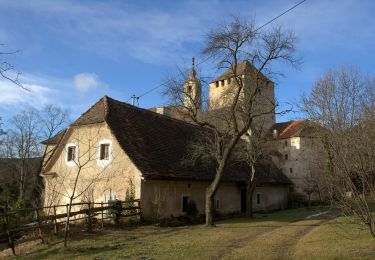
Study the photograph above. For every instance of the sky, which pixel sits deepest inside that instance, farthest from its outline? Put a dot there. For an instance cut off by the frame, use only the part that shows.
(71, 53)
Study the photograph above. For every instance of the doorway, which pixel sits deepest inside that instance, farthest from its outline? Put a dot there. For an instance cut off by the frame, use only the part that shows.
(243, 200)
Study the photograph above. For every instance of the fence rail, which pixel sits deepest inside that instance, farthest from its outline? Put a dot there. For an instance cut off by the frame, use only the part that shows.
(14, 223)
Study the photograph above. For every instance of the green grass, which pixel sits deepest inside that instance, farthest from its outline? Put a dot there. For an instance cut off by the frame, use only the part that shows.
(280, 235)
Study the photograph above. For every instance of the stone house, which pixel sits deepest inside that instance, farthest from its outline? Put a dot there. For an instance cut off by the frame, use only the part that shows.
(299, 152)
(114, 146)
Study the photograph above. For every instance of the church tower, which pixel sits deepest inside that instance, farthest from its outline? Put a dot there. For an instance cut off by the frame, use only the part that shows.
(193, 90)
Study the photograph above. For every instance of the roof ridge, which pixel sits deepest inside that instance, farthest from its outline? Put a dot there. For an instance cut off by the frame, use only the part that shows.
(106, 107)
(152, 112)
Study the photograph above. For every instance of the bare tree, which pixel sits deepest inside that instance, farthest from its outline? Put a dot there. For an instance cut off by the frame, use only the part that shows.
(241, 105)
(26, 131)
(76, 176)
(22, 143)
(7, 70)
(341, 103)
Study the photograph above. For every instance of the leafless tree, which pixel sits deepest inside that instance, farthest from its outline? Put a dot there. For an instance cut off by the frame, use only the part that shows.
(77, 181)
(7, 70)
(341, 103)
(26, 131)
(229, 44)
(255, 150)
(22, 142)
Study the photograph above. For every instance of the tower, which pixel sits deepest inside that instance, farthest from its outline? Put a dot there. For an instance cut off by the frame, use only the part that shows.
(193, 90)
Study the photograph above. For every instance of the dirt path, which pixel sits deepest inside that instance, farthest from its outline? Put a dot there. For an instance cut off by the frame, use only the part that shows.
(277, 242)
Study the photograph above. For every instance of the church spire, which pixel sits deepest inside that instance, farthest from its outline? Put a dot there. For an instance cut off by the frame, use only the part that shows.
(193, 89)
(193, 73)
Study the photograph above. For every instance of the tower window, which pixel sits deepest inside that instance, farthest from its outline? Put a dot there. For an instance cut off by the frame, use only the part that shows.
(222, 83)
(290, 170)
(217, 84)
(217, 204)
(189, 89)
(286, 157)
(229, 80)
(258, 198)
(286, 143)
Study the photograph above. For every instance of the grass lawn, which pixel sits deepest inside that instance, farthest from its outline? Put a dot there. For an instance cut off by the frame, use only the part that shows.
(280, 235)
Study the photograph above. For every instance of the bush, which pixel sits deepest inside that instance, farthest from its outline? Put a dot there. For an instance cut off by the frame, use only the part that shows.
(117, 211)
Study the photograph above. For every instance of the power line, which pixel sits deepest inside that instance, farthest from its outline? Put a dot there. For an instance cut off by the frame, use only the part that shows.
(208, 57)
(277, 17)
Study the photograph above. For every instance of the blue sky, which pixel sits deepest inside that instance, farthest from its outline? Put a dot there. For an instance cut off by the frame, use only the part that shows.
(74, 52)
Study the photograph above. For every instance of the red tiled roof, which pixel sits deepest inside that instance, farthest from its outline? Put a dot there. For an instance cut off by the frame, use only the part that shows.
(294, 128)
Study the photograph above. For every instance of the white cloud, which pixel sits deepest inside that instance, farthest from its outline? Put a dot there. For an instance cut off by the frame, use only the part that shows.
(15, 96)
(85, 81)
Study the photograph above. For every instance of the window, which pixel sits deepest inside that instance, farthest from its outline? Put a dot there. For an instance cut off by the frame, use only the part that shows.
(290, 170)
(185, 201)
(229, 80)
(104, 152)
(189, 89)
(217, 84)
(258, 198)
(286, 143)
(71, 153)
(222, 83)
(259, 91)
(286, 157)
(217, 204)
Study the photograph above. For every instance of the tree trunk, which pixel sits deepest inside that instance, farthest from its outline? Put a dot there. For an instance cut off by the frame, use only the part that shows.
(210, 207)
(250, 192)
(66, 231)
(249, 199)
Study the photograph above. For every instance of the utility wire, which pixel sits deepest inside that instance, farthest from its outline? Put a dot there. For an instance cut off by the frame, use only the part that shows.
(277, 17)
(208, 57)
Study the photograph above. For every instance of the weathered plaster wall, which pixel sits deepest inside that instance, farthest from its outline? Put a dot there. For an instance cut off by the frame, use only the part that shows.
(97, 182)
(163, 199)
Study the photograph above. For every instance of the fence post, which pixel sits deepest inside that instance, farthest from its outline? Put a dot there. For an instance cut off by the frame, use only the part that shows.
(39, 224)
(66, 220)
(102, 215)
(56, 227)
(89, 216)
(10, 239)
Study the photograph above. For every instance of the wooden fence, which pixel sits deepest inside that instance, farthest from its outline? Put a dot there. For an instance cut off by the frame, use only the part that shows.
(27, 224)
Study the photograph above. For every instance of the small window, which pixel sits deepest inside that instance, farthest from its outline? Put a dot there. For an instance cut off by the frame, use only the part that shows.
(189, 89)
(222, 83)
(259, 91)
(229, 80)
(290, 170)
(286, 157)
(185, 201)
(217, 204)
(104, 151)
(217, 84)
(71, 153)
(258, 198)
(286, 143)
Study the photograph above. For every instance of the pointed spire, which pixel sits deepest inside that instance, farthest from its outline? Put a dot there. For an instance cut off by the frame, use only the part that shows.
(192, 71)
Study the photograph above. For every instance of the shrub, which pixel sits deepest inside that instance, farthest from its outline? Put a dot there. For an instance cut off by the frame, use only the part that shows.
(117, 211)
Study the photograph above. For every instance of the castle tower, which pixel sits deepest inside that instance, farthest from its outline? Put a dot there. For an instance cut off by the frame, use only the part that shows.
(193, 90)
